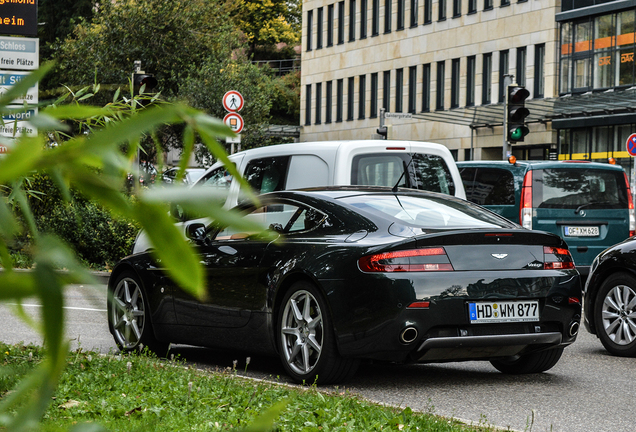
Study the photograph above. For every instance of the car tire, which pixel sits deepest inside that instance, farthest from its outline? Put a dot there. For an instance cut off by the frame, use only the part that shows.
(615, 314)
(129, 317)
(306, 338)
(536, 362)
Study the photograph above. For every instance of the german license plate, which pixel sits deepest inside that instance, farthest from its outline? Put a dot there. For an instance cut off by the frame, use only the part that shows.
(573, 231)
(505, 311)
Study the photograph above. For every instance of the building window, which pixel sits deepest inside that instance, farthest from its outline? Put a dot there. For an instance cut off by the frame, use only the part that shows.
(330, 25)
(428, 11)
(339, 99)
(457, 8)
(374, 95)
(521, 66)
(319, 28)
(455, 83)
(505, 2)
(426, 88)
(471, 71)
(486, 76)
(375, 18)
(565, 63)
(414, 13)
(318, 117)
(308, 105)
(604, 52)
(440, 85)
(401, 9)
(310, 25)
(399, 90)
(441, 16)
(539, 71)
(388, 15)
(341, 22)
(625, 48)
(412, 88)
(350, 94)
(328, 101)
(472, 6)
(386, 91)
(503, 71)
(363, 19)
(488, 4)
(362, 93)
(352, 20)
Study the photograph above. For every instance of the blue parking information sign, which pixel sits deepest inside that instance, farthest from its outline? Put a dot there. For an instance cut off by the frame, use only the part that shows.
(631, 144)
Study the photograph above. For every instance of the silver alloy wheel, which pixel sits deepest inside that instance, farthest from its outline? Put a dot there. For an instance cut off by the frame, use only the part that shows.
(302, 332)
(128, 313)
(619, 315)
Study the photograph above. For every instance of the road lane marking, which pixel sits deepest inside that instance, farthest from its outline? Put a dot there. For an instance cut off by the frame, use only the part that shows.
(65, 307)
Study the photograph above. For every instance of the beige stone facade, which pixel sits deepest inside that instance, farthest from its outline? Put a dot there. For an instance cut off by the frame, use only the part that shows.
(509, 29)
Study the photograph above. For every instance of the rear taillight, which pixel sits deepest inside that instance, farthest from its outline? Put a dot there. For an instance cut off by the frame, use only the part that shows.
(413, 260)
(556, 258)
(525, 207)
(630, 206)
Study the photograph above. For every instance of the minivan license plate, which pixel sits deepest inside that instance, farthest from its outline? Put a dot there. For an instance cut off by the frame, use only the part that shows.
(592, 231)
(510, 311)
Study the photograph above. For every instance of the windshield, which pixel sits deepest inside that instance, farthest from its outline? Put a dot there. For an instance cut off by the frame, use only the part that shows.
(573, 188)
(425, 171)
(428, 212)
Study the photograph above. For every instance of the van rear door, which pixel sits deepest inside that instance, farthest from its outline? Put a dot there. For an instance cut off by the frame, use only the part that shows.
(588, 208)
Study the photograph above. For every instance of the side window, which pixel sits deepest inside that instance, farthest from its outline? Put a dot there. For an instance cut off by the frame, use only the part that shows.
(220, 180)
(267, 174)
(278, 217)
(493, 186)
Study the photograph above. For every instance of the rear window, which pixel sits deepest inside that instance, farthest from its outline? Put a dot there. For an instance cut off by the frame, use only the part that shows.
(425, 171)
(578, 188)
(427, 212)
(489, 186)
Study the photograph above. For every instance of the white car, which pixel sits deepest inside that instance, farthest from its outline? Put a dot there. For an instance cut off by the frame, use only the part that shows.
(408, 164)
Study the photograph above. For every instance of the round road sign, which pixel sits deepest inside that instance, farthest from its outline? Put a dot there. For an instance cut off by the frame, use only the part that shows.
(234, 121)
(233, 101)
(631, 144)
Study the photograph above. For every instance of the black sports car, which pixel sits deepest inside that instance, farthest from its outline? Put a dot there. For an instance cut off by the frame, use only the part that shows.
(610, 298)
(362, 273)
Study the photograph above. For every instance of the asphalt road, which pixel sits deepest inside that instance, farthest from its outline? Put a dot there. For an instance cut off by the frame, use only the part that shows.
(588, 390)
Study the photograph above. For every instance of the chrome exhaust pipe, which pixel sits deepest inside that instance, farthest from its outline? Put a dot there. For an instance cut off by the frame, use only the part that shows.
(408, 335)
(574, 329)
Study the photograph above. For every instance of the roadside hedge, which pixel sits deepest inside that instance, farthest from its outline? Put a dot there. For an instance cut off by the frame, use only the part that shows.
(99, 238)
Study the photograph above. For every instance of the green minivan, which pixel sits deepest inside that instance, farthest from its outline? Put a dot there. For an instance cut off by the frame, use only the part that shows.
(588, 204)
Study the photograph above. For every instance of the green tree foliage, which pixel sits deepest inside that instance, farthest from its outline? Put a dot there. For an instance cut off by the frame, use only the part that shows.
(57, 19)
(267, 23)
(171, 38)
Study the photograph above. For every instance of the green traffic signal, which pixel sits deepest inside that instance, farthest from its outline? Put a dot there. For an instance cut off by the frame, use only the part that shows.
(517, 133)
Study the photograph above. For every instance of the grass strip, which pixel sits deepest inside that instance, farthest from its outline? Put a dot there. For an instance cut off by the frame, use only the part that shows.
(140, 392)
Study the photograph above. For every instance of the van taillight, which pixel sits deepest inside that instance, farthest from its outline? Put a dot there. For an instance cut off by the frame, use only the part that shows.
(525, 207)
(414, 260)
(555, 258)
(630, 207)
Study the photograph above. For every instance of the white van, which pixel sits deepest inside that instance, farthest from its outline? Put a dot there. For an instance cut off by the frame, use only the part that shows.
(429, 166)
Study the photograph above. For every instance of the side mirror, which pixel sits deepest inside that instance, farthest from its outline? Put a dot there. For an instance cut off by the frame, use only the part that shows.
(195, 232)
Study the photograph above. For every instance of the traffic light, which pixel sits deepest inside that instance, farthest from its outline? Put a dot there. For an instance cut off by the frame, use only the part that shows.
(144, 83)
(516, 113)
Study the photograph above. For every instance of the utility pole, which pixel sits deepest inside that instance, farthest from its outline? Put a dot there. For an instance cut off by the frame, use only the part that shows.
(508, 79)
